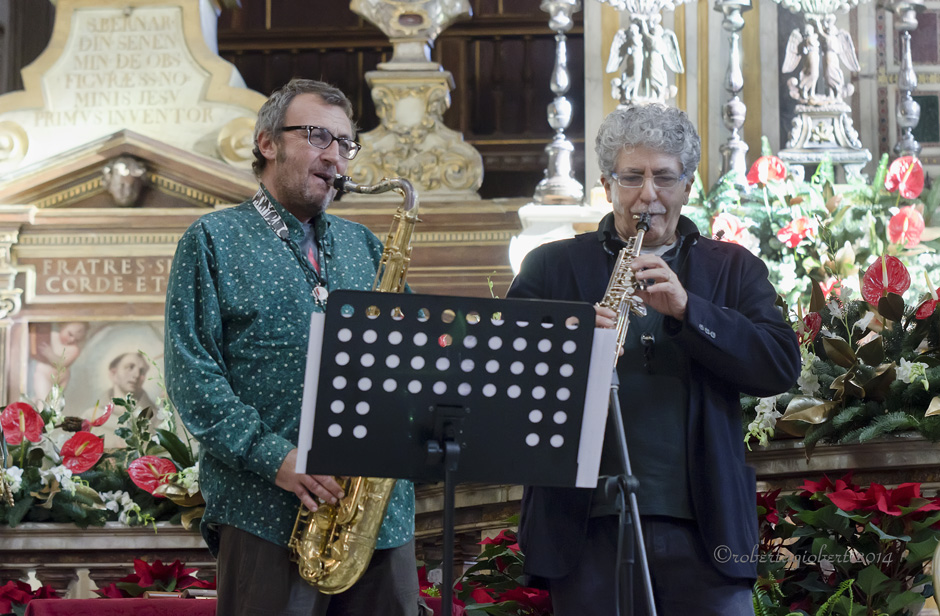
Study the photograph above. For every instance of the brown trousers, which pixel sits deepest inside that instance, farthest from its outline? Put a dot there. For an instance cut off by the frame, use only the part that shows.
(256, 578)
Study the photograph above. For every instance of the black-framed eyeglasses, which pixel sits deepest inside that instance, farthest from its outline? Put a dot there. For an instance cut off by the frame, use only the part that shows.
(319, 137)
(634, 180)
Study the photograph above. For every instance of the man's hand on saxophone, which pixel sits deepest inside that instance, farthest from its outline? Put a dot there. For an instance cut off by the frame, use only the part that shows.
(308, 488)
(662, 290)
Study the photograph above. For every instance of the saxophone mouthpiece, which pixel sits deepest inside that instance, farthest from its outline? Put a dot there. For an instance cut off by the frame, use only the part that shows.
(643, 221)
(339, 183)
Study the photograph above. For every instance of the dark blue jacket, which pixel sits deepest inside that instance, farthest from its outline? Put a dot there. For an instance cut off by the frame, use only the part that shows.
(737, 341)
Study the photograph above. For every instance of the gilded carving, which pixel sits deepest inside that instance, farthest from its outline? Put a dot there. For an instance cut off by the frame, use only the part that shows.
(236, 140)
(411, 24)
(14, 142)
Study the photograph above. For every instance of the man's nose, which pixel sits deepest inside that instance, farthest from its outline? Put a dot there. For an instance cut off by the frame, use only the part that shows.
(648, 190)
(331, 153)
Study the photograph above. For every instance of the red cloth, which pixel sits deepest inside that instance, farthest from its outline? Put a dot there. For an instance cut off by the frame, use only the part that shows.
(150, 607)
(121, 607)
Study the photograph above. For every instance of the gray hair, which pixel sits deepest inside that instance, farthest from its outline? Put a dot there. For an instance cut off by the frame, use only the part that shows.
(654, 126)
(271, 115)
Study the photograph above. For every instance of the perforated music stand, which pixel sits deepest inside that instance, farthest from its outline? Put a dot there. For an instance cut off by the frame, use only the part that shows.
(435, 388)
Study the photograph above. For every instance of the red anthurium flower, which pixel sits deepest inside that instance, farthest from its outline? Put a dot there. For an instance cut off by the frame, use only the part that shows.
(81, 452)
(766, 168)
(795, 231)
(886, 275)
(831, 286)
(96, 420)
(927, 307)
(907, 175)
(812, 323)
(20, 420)
(906, 227)
(150, 472)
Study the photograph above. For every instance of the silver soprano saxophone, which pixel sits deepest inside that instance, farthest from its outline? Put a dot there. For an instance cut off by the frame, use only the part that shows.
(333, 545)
(621, 290)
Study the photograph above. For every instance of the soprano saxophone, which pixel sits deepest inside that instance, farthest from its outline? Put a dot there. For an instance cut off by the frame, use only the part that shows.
(621, 290)
(333, 545)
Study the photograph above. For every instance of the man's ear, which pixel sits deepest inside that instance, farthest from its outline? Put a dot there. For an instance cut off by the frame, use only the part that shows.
(267, 145)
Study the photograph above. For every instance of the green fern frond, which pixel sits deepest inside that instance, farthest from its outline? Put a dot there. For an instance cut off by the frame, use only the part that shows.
(892, 422)
(826, 608)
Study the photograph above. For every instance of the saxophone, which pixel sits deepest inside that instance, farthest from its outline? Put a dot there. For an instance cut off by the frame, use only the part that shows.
(621, 290)
(333, 545)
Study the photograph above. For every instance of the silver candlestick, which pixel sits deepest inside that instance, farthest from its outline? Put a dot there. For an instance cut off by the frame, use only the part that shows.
(905, 21)
(733, 152)
(559, 185)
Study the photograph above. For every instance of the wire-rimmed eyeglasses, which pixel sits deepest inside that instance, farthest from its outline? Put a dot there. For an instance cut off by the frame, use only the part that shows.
(634, 180)
(319, 137)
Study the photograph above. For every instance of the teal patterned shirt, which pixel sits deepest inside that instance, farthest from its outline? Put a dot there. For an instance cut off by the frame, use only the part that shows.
(238, 312)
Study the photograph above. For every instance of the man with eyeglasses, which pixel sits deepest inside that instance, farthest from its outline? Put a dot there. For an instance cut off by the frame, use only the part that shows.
(244, 283)
(711, 332)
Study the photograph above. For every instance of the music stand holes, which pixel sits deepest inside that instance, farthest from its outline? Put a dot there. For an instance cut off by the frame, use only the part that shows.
(395, 338)
(516, 367)
(424, 314)
(563, 394)
(464, 389)
(397, 314)
(347, 310)
(467, 365)
(560, 417)
(514, 391)
(339, 382)
(538, 392)
(389, 385)
(545, 345)
(495, 343)
(442, 364)
(448, 316)
(362, 408)
(492, 366)
(497, 319)
(420, 339)
(334, 430)
(337, 406)
(392, 361)
(519, 344)
(569, 347)
(342, 358)
(473, 317)
(414, 386)
(547, 322)
(367, 360)
(445, 340)
(470, 341)
(417, 362)
(360, 432)
(489, 390)
(439, 387)
(344, 334)
(566, 370)
(373, 312)
(557, 441)
(365, 384)
(572, 323)
(369, 336)
(541, 368)
(532, 439)
(535, 416)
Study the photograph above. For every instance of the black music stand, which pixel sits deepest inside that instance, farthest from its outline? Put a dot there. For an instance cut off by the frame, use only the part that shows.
(432, 388)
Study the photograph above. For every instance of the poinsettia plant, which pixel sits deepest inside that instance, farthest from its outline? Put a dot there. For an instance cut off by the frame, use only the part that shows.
(58, 469)
(840, 548)
(16, 595)
(172, 577)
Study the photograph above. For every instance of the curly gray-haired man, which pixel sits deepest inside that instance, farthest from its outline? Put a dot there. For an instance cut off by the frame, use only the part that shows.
(711, 332)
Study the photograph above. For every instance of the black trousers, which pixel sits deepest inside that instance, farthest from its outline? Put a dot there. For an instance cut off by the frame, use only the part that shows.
(256, 578)
(684, 580)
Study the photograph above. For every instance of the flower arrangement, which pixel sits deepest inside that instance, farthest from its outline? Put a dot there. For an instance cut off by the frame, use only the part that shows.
(838, 548)
(59, 470)
(15, 595)
(173, 577)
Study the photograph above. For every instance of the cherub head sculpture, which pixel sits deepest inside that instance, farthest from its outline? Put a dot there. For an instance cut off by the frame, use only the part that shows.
(123, 177)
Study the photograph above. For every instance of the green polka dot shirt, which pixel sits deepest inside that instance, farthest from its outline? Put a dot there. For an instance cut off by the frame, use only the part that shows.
(238, 312)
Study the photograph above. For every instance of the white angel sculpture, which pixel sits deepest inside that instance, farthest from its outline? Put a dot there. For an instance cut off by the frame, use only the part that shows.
(803, 47)
(642, 53)
(838, 50)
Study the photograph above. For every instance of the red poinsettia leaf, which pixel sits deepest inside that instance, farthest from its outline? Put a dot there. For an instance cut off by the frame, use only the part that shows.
(20, 420)
(81, 452)
(481, 595)
(150, 472)
(906, 227)
(111, 591)
(505, 537)
(849, 500)
(766, 168)
(145, 577)
(907, 175)
(14, 591)
(885, 269)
